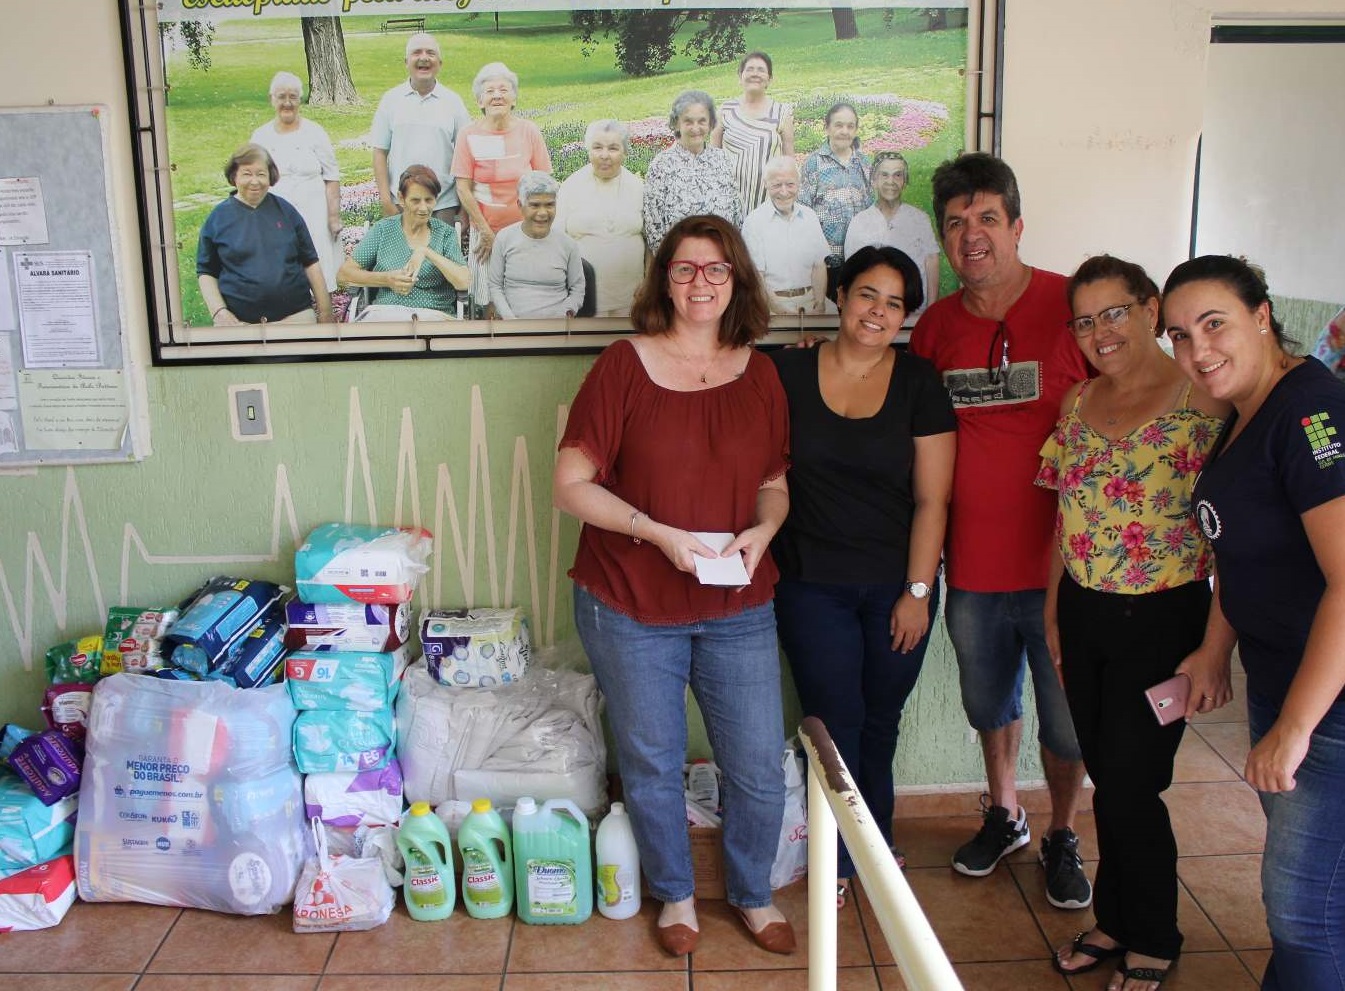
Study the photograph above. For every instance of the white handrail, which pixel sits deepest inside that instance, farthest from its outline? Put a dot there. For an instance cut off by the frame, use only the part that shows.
(834, 799)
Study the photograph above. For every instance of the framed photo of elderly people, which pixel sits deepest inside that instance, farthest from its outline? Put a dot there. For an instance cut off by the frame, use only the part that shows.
(418, 177)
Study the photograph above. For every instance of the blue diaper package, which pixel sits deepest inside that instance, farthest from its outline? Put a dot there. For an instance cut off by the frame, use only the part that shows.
(11, 735)
(32, 833)
(256, 658)
(343, 679)
(221, 612)
(326, 740)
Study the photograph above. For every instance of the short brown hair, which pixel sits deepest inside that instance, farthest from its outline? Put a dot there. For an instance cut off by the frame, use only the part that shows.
(421, 175)
(747, 318)
(1099, 268)
(246, 155)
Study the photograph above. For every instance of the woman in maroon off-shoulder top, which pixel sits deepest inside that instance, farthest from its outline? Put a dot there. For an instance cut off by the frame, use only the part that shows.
(678, 434)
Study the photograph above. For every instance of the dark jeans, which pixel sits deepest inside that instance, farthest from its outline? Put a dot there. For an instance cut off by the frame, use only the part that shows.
(1113, 647)
(839, 645)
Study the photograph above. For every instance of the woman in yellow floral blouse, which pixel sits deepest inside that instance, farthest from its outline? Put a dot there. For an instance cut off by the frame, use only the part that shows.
(1128, 604)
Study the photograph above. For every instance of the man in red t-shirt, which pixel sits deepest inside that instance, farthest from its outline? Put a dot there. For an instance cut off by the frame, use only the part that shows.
(1002, 349)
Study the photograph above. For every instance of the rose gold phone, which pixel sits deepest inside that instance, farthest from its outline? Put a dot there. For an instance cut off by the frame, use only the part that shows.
(1168, 698)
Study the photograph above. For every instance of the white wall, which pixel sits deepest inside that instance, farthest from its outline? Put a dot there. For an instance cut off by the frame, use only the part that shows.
(1103, 103)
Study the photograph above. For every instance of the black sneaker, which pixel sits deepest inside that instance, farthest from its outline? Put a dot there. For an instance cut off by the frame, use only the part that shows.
(1066, 884)
(999, 835)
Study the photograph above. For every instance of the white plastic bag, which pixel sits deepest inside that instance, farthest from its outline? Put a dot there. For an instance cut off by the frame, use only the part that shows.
(340, 894)
(791, 854)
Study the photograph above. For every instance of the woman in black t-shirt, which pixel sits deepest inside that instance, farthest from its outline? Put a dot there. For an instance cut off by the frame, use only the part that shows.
(872, 439)
(1271, 500)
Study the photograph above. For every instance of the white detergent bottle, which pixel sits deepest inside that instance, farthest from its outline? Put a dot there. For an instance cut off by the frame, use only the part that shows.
(553, 863)
(618, 866)
(428, 850)
(487, 863)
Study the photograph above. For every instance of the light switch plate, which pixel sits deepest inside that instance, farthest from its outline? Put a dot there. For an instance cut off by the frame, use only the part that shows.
(249, 412)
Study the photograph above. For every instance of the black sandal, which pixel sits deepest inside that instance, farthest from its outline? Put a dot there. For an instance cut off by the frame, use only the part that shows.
(1155, 974)
(1098, 953)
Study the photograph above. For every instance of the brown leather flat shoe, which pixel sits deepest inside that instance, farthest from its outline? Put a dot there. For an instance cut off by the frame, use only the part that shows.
(677, 940)
(778, 937)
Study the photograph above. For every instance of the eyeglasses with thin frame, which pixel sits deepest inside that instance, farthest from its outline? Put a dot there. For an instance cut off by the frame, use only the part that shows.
(1112, 316)
(716, 273)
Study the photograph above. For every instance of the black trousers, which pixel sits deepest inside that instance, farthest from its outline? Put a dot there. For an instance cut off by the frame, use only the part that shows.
(1113, 647)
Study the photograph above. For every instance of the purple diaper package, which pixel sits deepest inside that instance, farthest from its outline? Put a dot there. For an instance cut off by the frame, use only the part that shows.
(351, 799)
(49, 762)
(347, 625)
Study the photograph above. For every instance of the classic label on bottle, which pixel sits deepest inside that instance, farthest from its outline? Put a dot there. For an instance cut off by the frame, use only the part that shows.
(482, 883)
(423, 883)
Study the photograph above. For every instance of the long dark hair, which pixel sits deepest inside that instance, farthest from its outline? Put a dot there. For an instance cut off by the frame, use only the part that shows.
(1242, 279)
(747, 318)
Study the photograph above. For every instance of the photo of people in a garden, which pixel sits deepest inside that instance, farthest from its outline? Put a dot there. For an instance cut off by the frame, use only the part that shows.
(438, 163)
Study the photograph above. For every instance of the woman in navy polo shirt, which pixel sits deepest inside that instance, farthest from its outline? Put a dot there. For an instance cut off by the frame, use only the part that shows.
(1271, 500)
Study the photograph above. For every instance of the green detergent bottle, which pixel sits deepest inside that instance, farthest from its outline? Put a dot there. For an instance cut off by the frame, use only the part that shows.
(487, 863)
(553, 863)
(428, 851)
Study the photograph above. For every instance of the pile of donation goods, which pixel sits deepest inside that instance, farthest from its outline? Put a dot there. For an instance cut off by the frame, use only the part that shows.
(250, 749)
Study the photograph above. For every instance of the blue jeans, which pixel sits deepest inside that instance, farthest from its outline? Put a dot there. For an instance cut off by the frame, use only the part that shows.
(1303, 870)
(839, 645)
(733, 668)
(994, 634)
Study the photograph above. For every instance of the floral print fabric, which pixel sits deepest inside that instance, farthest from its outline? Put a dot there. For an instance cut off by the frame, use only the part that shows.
(1123, 520)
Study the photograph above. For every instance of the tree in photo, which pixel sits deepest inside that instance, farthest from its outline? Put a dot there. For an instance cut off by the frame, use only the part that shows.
(329, 82)
(646, 39)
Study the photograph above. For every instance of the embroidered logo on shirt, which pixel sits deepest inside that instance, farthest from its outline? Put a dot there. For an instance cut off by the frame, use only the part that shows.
(1210, 524)
(1319, 431)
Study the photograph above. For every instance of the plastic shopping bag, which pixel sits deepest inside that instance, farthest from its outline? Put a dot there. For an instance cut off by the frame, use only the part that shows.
(340, 894)
(791, 854)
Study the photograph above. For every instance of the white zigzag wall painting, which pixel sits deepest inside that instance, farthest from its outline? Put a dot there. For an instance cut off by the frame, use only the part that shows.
(447, 527)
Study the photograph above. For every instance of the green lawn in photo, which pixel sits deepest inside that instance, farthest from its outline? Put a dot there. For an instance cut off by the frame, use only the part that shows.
(210, 113)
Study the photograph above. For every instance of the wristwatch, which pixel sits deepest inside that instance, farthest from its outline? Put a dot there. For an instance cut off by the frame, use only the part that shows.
(918, 590)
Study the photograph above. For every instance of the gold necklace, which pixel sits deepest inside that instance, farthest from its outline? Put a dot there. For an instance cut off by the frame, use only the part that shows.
(687, 358)
(862, 376)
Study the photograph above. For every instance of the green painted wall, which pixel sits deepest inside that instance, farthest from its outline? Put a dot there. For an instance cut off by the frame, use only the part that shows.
(461, 446)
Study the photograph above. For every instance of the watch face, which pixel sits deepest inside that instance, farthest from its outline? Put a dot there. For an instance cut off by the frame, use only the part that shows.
(918, 590)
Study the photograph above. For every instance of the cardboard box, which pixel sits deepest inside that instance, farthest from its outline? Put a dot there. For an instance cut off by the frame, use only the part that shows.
(707, 861)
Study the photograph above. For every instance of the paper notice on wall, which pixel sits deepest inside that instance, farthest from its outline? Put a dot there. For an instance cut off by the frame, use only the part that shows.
(23, 216)
(56, 311)
(9, 394)
(73, 410)
(7, 318)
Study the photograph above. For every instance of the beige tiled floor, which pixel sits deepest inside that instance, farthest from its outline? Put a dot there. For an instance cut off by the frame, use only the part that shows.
(998, 930)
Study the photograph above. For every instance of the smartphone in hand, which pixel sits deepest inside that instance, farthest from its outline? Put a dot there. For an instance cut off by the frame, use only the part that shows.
(1168, 698)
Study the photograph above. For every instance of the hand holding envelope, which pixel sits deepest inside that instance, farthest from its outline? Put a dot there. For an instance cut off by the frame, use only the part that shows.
(728, 571)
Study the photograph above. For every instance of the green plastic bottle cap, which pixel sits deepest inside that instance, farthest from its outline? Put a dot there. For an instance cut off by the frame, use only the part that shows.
(420, 808)
(481, 805)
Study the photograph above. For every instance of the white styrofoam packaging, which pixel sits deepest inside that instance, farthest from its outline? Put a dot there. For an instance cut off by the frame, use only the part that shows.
(475, 648)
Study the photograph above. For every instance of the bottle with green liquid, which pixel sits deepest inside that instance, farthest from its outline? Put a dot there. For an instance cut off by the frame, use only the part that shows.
(487, 863)
(428, 851)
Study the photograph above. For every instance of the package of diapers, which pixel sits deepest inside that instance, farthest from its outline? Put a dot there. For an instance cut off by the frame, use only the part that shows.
(475, 648)
(344, 562)
(256, 658)
(348, 799)
(32, 832)
(341, 679)
(328, 740)
(39, 897)
(347, 625)
(221, 611)
(190, 796)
